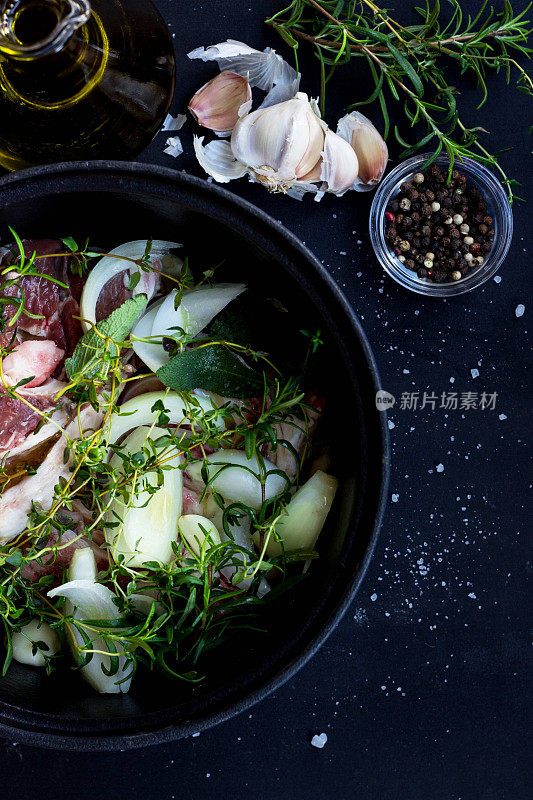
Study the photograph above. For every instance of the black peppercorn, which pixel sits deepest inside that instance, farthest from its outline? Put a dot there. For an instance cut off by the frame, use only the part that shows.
(459, 212)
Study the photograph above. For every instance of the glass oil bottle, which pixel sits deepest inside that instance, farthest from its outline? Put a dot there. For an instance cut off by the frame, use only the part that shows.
(81, 80)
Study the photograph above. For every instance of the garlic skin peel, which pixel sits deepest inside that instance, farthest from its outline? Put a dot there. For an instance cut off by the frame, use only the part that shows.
(369, 146)
(220, 103)
(280, 144)
(265, 70)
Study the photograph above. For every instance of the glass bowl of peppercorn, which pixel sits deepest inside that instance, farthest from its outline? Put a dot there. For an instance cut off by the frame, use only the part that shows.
(440, 234)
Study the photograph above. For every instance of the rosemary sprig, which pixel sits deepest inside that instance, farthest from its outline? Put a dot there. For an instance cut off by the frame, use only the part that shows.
(408, 64)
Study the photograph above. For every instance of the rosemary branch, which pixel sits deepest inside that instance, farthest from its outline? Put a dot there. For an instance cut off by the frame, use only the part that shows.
(408, 64)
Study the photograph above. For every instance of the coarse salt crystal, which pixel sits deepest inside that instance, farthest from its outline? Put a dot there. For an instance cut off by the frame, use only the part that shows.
(519, 310)
(319, 741)
(474, 373)
(440, 467)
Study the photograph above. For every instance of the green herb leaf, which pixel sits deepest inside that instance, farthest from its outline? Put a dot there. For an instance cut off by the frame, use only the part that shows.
(101, 343)
(213, 368)
(70, 244)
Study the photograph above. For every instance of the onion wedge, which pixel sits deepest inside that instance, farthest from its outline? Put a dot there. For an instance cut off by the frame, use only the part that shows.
(182, 410)
(115, 262)
(151, 353)
(196, 310)
(148, 522)
(306, 515)
(89, 600)
(236, 477)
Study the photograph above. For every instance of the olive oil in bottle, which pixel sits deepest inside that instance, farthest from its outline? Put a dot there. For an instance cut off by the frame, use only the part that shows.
(81, 80)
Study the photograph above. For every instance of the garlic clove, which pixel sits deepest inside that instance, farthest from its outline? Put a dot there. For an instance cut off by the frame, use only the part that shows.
(220, 103)
(339, 164)
(280, 143)
(314, 173)
(217, 160)
(369, 146)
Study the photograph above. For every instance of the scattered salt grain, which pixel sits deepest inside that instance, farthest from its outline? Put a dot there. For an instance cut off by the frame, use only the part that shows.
(319, 741)
(474, 373)
(373, 597)
(502, 416)
(440, 467)
(391, 424)
(395, 498)
(497, 279)
(519, 310)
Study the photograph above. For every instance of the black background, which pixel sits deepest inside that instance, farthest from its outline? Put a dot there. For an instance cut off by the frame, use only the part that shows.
(421, 690)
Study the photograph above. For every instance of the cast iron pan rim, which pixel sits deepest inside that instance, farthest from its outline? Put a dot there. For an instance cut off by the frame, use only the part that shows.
(151, 734)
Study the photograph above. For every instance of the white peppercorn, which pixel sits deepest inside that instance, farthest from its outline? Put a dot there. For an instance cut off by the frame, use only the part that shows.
(468, 240)
(405, 204)
(457, 218)
(456, 275)
(448, 221)
(480, 260)
(428, 263)
(467, 257)
(435, 206)
(418, 178)
(431, 256)
(404, 245)
(402, 259)
(464, 228)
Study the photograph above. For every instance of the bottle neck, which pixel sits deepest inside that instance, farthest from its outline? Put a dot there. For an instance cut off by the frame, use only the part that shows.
(31, 29)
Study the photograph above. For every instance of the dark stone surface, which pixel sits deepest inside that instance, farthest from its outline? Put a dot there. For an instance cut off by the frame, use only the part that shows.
(421, 689)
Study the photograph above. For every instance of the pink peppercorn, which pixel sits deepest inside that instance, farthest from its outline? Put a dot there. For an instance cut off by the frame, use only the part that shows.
(389, 216)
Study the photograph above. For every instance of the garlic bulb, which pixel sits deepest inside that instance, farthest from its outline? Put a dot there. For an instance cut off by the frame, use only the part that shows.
(220, 103)
(369, 147)
(280, 144)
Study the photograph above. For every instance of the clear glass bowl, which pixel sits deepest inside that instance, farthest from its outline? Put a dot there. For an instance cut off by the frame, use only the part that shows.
(498, 208)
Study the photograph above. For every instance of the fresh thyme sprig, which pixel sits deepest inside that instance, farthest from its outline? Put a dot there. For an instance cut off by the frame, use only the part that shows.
(407, 64)
(195, 605)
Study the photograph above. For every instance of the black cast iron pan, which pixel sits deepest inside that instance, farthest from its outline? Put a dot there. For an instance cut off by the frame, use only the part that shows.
(114, 202)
